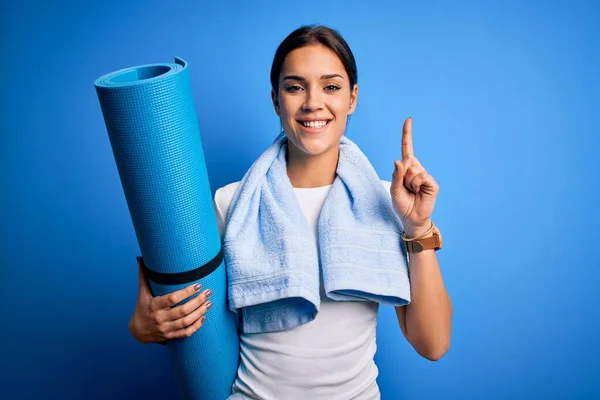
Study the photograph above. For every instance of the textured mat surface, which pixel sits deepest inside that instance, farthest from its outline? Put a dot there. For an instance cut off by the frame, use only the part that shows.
(152, 125)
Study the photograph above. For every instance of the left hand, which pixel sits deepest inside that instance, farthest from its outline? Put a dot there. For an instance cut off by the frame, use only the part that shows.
(413, 190)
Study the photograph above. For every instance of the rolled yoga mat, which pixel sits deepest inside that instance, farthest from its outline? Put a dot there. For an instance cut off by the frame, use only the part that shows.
(152, 124)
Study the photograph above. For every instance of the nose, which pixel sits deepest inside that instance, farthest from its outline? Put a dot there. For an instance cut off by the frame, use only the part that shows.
(313, 101)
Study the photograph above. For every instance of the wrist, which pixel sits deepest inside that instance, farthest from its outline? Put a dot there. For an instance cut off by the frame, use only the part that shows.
(134, 330)
(133, 327)
(412, 231)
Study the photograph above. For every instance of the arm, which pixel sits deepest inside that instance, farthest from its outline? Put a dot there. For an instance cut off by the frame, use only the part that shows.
(426, 321)
(157, 319)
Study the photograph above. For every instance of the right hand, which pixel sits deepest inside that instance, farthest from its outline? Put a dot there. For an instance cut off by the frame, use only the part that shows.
(155, 320)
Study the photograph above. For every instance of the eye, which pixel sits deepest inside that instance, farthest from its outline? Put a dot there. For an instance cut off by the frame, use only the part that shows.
(332, 88)
(293, 88)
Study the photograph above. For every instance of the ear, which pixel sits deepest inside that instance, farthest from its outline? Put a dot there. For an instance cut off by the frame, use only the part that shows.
(353, 99)
(275, 102)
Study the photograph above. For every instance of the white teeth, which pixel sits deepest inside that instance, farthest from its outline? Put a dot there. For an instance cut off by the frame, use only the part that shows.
(314, 124)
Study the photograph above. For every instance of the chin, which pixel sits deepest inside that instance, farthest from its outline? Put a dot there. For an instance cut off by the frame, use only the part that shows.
(316, 146)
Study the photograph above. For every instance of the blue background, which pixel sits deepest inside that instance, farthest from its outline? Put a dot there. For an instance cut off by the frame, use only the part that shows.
(505, 101)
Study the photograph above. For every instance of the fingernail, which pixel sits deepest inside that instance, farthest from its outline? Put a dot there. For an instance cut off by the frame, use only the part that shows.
(202, 318)
(209, 304)
(197, 287)
(208, 292)
(139, 259)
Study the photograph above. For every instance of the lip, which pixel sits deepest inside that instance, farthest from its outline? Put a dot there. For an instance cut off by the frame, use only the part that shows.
(313, 130)
(313, 119)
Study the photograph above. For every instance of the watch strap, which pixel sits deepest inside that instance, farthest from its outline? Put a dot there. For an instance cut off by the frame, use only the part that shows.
(417, 246)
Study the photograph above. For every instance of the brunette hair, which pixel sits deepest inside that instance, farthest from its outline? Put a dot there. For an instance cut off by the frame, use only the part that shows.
(314, 34)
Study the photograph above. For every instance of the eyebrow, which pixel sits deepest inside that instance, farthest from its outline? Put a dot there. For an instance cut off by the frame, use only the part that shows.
(301, 79)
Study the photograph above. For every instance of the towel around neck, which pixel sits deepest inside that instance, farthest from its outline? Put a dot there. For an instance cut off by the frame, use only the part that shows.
(272, 264)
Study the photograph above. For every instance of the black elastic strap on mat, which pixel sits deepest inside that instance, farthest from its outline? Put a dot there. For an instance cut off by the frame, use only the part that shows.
(181, 278)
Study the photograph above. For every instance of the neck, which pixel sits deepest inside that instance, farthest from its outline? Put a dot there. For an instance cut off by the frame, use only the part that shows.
(306, 171)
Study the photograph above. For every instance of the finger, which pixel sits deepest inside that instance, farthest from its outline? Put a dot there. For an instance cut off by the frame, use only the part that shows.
(418, 181)
(407, 143)
(187, 332)
(397, 178)
(190, 318)
(183, 310)
(400, 169)
(412, 161)
(411, 173)
(171, 299)
(426, 184)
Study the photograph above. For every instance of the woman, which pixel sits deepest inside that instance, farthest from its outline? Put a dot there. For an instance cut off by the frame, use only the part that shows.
(314, 91)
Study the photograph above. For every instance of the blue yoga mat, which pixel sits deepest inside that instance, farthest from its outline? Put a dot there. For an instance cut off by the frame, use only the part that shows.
(152, 125)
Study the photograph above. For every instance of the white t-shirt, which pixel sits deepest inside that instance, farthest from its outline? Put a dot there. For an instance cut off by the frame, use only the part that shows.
(328, 358)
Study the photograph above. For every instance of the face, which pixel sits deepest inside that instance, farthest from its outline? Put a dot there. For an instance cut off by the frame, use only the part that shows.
(314, 100)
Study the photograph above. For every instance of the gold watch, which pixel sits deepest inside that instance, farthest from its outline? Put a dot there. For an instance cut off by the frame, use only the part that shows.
(418, 244)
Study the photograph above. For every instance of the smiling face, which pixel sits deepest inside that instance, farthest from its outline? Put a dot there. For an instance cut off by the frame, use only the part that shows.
(314, 100)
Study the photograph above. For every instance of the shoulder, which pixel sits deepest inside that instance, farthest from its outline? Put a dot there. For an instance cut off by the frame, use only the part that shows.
(386, 184)
(224, 195)
(227, 191)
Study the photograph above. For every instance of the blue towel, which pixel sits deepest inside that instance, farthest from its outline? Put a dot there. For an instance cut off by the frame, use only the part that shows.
(271, 260)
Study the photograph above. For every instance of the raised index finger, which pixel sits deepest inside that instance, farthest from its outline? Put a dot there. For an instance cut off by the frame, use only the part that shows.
(407, 143)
